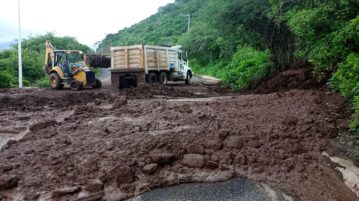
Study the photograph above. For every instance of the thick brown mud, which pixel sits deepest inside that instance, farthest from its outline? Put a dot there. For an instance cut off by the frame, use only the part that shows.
(110, 145)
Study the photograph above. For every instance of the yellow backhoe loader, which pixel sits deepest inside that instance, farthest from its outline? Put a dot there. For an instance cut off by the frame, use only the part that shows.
(68, 67)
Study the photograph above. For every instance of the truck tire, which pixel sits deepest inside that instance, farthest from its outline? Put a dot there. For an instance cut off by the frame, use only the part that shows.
(152, 78)
(55, 81)
(163, 78)
(188, 78)
(98, 84)
(75, 85)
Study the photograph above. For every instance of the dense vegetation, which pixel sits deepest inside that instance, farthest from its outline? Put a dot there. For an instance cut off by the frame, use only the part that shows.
(33, 60)
(243, 40)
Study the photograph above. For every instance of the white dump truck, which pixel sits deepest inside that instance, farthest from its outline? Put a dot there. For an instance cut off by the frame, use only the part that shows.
(131, 65)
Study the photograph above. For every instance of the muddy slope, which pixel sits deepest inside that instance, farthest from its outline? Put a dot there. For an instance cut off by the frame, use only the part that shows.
(112, 146)
(300, 78)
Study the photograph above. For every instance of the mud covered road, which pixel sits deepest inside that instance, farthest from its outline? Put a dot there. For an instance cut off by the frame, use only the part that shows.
(112, 145)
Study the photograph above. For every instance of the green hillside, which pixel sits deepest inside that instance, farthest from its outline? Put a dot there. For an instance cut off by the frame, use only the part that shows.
(165, 28)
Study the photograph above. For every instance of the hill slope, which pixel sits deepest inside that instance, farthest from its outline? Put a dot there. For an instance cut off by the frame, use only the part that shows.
(165, 27)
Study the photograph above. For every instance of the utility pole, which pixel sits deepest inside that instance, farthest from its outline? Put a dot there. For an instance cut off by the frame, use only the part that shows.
(19, 47)
(188, 31)
(189, 23)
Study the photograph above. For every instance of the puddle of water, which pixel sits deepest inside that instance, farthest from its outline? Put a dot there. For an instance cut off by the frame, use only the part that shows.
(349, 171)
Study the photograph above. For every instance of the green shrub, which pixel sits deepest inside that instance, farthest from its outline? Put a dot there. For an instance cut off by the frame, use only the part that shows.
(247, 65)
(326, 33)
(215, 70)
(6, 79)
(346, 79)
(43, 82)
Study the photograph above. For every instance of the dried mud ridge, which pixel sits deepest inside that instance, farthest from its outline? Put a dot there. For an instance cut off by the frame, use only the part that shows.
(113, 146)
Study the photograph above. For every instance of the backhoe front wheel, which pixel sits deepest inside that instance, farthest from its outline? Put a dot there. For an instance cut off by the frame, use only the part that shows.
(75, 85)
(98, 84)
(55, 81)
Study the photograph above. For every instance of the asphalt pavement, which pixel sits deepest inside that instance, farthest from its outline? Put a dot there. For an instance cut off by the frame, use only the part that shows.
(232, 190)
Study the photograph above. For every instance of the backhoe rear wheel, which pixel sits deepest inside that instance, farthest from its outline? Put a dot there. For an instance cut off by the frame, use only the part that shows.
(75, 85)
(55, 81)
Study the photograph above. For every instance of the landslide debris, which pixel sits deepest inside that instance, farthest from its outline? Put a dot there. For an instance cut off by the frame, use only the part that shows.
(145, 138)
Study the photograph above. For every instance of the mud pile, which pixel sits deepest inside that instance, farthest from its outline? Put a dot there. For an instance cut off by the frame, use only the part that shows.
(301, 78)
(115, 145)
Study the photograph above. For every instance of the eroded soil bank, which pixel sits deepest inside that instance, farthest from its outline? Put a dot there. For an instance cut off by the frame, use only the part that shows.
(110, 145)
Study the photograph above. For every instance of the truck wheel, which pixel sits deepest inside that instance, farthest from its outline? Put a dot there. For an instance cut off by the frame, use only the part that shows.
(75, 85)
(152, 78)
(188, 78)
(163, 78)
(98, 84)
(55, 81)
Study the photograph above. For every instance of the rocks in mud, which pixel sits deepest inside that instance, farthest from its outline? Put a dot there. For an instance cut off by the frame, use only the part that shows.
(119, 101)
(8, 182)
(98, 101)
(240, 159)
(212, 165)
(125, 175)
(91, 196)
(215, 144)
(162, 157)
(80, 110)
(94, 185)
(185, 109)
(41, 125)
(150, 168)
(193, 160)
(6, 168)
(233, 142)
(195, 149)
(128, 188)
(67, 190)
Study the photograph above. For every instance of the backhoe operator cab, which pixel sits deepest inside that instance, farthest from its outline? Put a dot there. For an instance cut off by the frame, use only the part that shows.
(68, 67)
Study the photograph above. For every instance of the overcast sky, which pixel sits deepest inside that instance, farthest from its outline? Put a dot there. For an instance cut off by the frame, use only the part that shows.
(87, 20)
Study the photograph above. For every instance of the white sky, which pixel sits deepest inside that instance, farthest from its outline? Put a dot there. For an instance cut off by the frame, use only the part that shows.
(88, 21)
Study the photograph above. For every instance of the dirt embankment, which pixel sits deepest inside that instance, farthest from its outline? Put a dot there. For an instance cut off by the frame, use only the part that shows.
(301, 78)
(114, 145)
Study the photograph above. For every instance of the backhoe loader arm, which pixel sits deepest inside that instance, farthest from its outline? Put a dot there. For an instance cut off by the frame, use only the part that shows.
(49, 57)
